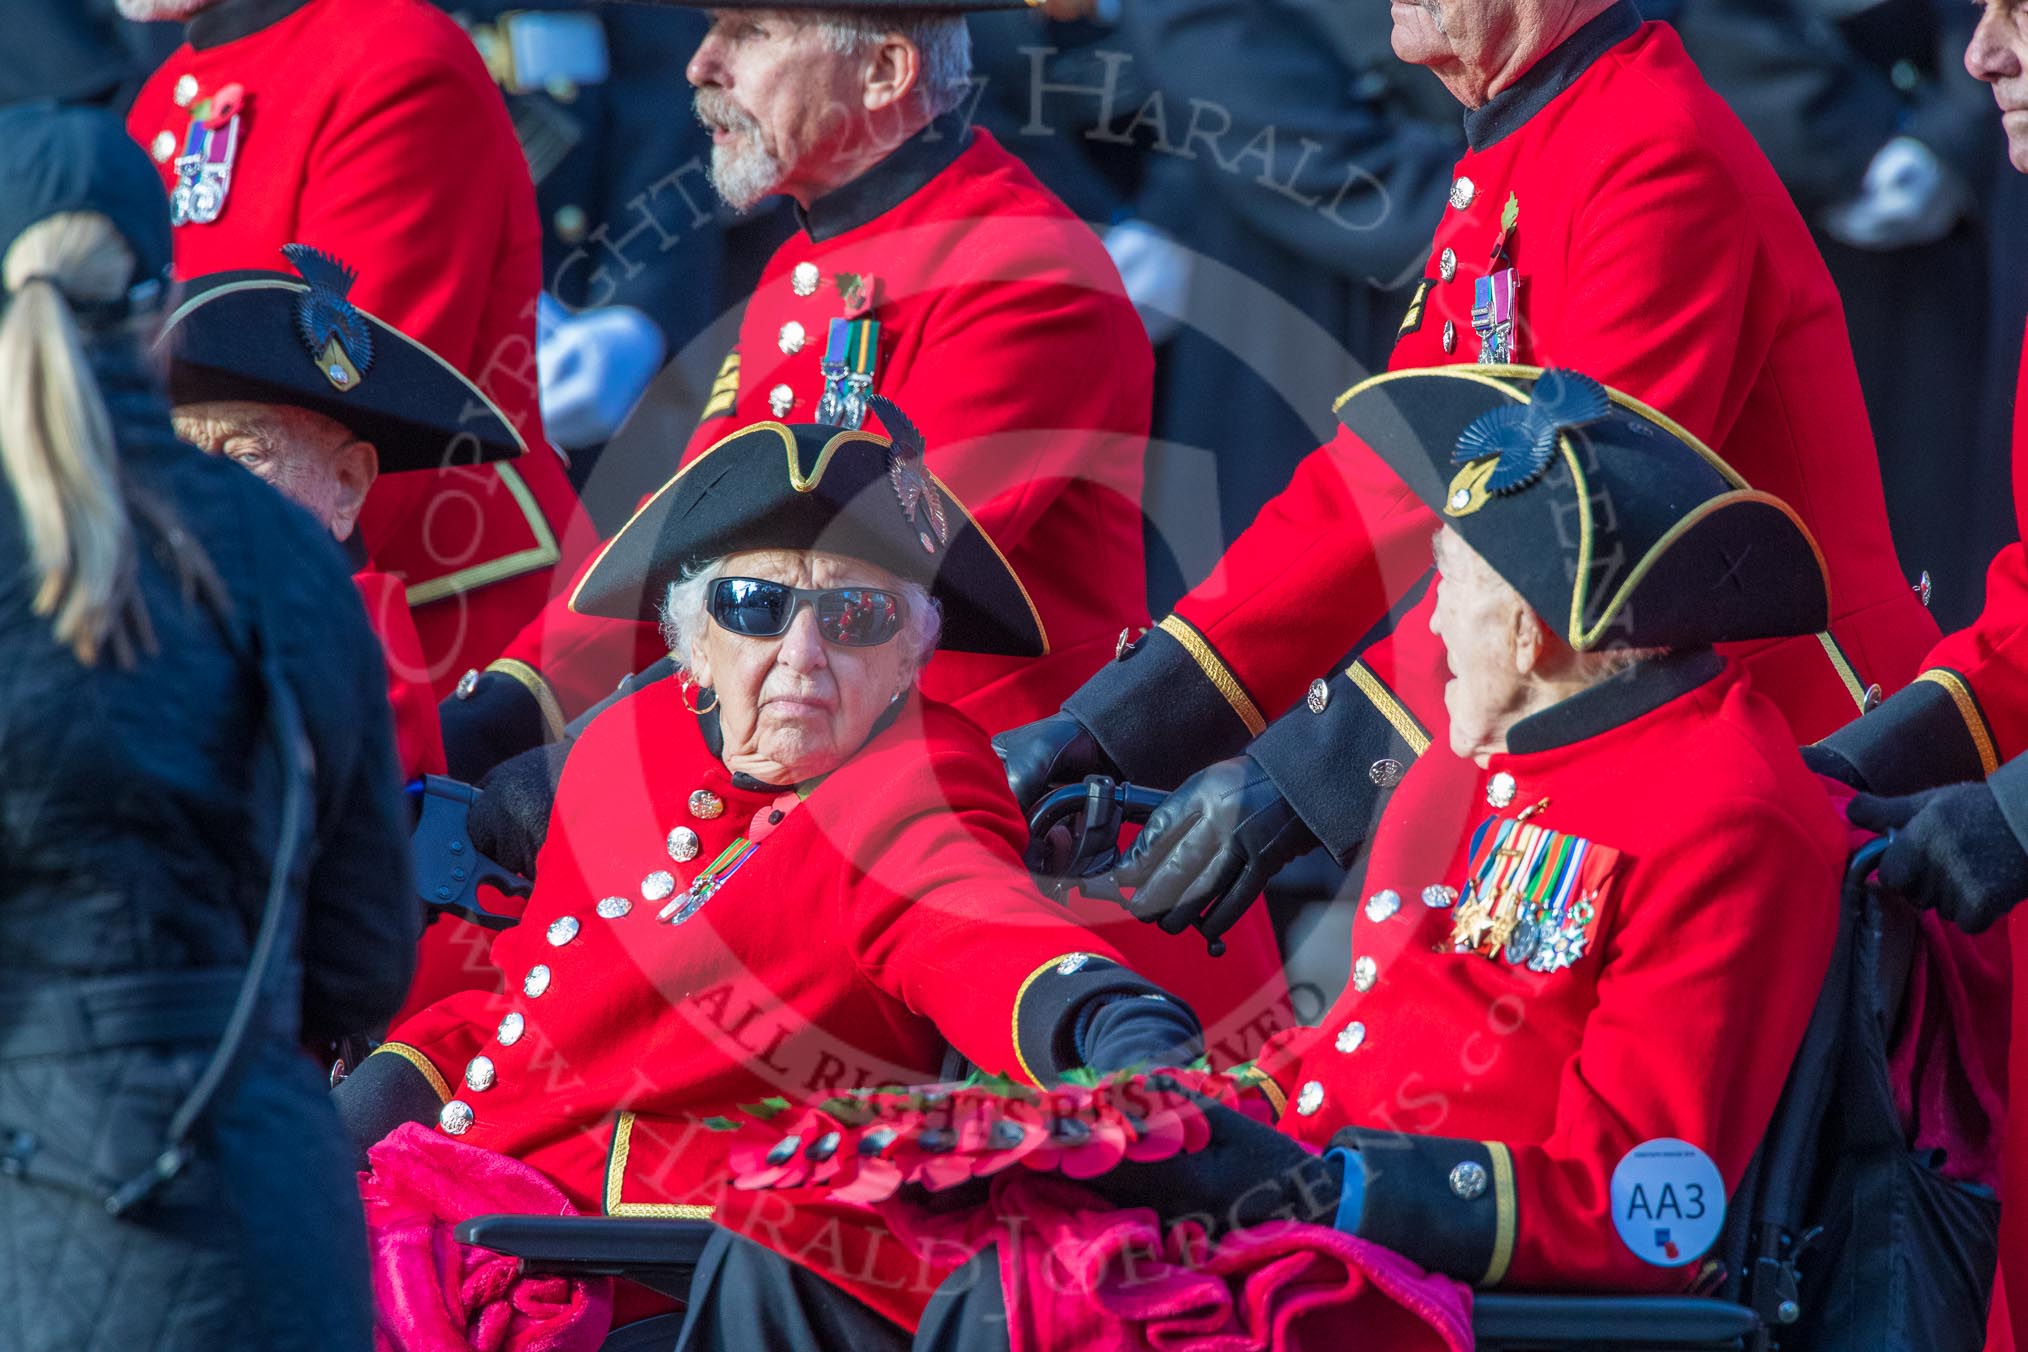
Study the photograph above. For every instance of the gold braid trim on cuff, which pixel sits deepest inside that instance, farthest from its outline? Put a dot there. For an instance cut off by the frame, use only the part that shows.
(1215, 671)
(421, 1063)
(532, 681)
(1390, 708)
(1014, 1022)
(1504, 1213)
(1968, 709)
(1253, 1077)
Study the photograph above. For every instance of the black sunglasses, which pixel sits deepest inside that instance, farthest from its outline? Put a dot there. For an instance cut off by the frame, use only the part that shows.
(851, 617)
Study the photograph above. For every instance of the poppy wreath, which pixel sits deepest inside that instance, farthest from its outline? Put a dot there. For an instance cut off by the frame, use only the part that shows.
(867, 1145)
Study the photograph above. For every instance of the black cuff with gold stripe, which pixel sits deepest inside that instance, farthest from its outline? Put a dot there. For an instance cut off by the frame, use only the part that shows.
(1446, 1204)
(1930, 734)
(497, 713)
(396, 1084)
(1167, 707)
(1059, 999)
(1335, 756)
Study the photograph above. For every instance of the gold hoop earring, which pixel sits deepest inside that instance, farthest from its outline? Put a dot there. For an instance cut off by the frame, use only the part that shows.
(684, 695)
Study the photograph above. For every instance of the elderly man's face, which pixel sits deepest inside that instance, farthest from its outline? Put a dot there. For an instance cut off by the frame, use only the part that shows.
(1998, 54)
(1477, 47)
(316, 462)
(1447, 32)
(795, 707)
(1491, 641)
(779, 100)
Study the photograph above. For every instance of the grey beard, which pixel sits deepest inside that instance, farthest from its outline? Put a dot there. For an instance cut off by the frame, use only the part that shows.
(162, 11)
(744, 173)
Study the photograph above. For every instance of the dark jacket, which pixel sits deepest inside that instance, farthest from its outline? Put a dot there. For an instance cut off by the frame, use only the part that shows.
(132, 841)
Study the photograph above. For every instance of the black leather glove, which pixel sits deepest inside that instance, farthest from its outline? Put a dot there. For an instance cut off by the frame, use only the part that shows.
(1049, 752)
(1209, 850)
(1953, 852)
(1828, 763)
(511, 819)
(498, 717)
(1248, 1174)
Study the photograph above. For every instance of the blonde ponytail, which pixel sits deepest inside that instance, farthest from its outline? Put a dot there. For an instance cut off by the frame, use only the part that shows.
(57, 447)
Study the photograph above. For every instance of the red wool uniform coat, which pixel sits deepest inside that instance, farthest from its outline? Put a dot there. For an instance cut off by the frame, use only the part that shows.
(881, 916)
(1006, 337)
(1679, 1018)
(1657, 252)
(348, 111)
(419, 745)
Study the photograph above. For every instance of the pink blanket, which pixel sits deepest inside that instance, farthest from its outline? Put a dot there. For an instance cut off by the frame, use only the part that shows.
(1082, 1276)
(433, 1294)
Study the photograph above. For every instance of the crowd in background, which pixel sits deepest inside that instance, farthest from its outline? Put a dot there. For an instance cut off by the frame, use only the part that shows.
(1266, 270)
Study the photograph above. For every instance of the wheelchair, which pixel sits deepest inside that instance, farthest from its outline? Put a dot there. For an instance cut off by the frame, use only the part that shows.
(1758, 1292)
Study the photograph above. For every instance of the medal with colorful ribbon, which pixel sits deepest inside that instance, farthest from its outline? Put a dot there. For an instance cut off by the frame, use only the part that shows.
(1493, 316)
(851, 356)
(204, 169)
(706, 884)
(1531, 895)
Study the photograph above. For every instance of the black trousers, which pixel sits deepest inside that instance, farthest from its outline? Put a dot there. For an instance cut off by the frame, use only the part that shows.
(746, 1296)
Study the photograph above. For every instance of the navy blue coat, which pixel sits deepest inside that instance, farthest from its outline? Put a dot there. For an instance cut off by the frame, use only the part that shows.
(132, 841)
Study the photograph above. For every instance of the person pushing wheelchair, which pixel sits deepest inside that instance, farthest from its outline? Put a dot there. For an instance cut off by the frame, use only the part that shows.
(1593, 932)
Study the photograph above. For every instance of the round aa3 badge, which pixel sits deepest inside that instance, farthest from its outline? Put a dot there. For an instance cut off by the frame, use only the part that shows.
(1668, 1201)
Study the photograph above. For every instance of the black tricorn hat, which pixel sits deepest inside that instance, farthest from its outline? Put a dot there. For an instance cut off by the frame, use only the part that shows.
(813, 486)
(270, 338)
(1617, 526)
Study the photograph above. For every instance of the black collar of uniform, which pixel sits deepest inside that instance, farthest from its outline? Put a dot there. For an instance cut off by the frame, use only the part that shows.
(354, 549)
(1555, 72)
(714, 740)
(889, 183)
(1641, 689)
(231, 20)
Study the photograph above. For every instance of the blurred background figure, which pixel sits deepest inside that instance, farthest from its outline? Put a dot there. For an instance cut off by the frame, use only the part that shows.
(1268, 217)
(1889, 148)
(335, 123)
(641, 262)
(1284, 212)
(198, 810)
(80, 52)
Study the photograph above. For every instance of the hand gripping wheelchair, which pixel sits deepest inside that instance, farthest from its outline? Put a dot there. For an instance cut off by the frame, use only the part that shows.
(1797, 1265)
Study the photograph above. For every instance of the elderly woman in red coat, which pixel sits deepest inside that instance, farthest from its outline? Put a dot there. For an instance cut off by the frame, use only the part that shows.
(784, 874)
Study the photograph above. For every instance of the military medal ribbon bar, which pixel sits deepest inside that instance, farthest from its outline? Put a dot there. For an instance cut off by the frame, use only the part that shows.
(851, 356)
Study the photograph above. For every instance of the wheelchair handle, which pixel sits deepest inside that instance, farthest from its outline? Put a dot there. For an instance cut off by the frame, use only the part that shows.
(449, 869)
(1136, 804)
(1866, 858)
(1104, 806)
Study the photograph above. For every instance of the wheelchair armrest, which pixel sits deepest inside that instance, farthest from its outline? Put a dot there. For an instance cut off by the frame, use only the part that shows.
(1507, 1320)
(660, 1255)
